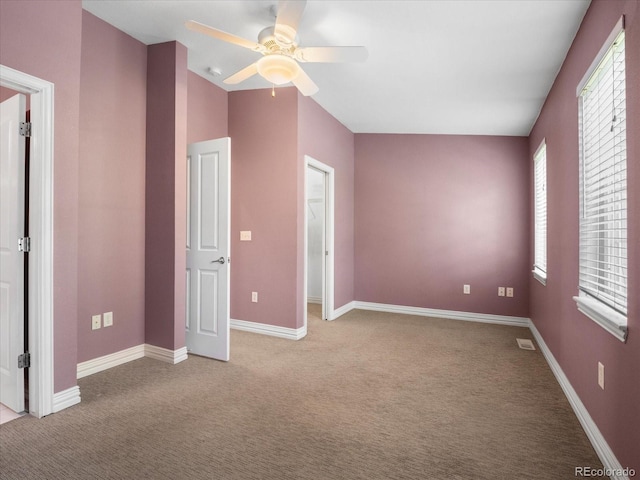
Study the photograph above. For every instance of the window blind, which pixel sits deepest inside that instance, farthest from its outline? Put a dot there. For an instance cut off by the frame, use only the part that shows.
(603, 181)
(540, 211)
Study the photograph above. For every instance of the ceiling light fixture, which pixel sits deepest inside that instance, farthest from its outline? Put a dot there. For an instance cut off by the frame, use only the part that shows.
(278, 69)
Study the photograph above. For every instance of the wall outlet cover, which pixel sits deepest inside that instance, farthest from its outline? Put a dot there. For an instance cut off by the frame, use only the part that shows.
(108, 319)
(245, 236)
(96, 322)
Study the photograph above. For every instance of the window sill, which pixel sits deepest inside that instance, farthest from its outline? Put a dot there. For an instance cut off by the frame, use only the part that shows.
(612, 321)
(539, 276)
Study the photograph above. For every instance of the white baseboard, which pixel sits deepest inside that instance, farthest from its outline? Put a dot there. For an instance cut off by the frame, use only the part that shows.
(600, 445)
(316, 300)
(450, 314)
(271, 330)
(66, 398)
(164, 354)
(109, 361)
(71, 396)
(129, 354)
(346, 308)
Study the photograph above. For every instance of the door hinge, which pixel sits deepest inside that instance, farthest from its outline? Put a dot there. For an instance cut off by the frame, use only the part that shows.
(24, 244)
(24, 360)
(25, 129)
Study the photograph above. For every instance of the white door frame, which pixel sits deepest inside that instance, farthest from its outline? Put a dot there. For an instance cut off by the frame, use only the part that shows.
(41, 232)
(328, 270)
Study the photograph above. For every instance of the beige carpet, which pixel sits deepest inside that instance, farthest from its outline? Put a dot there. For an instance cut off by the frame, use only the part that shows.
(368, 396)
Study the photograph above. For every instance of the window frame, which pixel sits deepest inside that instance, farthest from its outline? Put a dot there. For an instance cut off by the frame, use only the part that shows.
(540, 271)
(607, 316)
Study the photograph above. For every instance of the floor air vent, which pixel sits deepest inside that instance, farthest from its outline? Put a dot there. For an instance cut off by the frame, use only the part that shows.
(525, 344)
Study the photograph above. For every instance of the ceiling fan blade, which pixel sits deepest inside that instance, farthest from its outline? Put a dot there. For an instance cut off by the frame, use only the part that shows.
(288, 18)
(220, 35)
(242, 75)
(304, 83)
(332, 54)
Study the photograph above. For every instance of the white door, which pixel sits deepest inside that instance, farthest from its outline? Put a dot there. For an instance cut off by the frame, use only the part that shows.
(12, 191)
(208, 217)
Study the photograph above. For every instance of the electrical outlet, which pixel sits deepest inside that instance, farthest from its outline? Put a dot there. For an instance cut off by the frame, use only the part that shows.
(96, 321)
(466, 289)
(509, 291)
(245, 236)
(501, 291)
(601, 375)
(254, 297)
(108, 319)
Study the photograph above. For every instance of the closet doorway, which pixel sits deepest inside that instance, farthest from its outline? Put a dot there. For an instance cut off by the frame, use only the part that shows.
(319, 228)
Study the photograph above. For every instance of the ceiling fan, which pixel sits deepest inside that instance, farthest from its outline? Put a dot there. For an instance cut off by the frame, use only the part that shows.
(279, 45)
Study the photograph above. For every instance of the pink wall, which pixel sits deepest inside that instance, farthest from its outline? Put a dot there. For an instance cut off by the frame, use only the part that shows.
(166, 204)
(270, 137)
(264, 192)
(6, 93)
(577, 342)
(111, 188)
(51, 51)
(435, 212)
(207, 110)
(324, 138)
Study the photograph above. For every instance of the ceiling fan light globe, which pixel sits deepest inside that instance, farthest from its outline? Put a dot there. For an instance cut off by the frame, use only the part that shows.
(278, 69)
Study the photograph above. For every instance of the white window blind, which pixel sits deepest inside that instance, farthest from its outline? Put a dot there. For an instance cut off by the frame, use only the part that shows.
(540, 212)
(603, 181)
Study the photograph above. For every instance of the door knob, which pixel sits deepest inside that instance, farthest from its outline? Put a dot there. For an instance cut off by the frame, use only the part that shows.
(220, 260)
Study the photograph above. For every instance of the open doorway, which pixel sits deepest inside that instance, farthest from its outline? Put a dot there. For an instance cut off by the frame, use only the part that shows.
(319, 228)
(39, 271)
(315, 234)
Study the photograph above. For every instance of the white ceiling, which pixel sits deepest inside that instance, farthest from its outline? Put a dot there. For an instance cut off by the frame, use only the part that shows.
(481, 67)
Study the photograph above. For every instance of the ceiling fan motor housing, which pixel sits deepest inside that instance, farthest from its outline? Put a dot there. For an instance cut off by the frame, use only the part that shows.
(285, 41)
